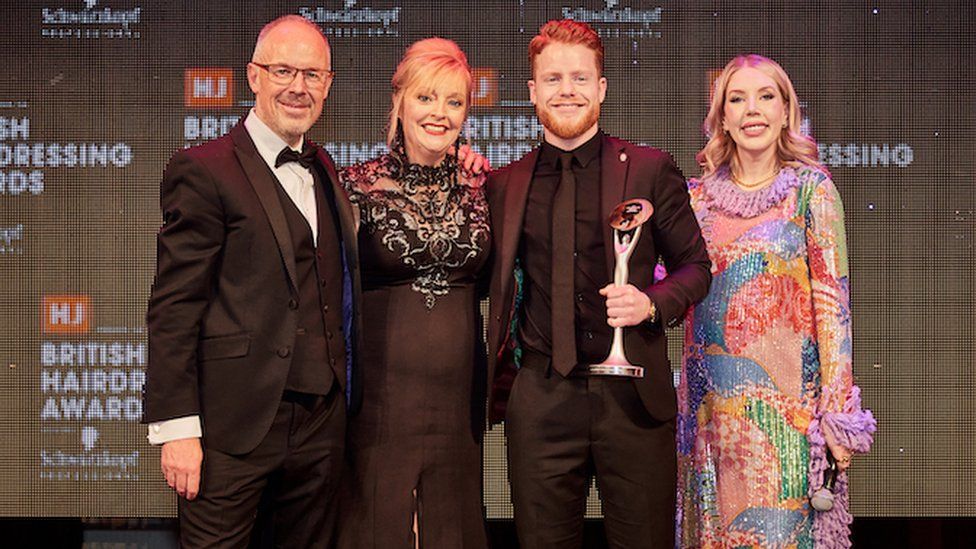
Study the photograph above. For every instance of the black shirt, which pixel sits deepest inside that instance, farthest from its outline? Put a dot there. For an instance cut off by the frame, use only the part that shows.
(593, 335)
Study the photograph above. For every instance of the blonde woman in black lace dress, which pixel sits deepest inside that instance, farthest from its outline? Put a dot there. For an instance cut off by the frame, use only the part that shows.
(415, 458)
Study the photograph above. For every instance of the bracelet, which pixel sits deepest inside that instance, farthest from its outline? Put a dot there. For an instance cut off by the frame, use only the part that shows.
(652, 312)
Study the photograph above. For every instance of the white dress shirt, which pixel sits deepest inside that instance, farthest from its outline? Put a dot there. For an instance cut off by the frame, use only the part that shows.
(300, 187)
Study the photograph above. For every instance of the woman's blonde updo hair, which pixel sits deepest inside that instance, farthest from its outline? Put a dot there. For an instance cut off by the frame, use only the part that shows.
(793, 148)
(431, 63)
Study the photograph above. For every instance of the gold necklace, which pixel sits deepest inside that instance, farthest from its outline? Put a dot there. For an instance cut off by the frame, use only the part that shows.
(755, 184)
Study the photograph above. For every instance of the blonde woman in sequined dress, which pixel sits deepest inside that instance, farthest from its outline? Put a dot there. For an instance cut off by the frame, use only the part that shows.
(766, 387)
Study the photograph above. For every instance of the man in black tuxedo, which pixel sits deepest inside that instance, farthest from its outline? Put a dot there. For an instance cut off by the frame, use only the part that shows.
(252, 319)
(553, 257)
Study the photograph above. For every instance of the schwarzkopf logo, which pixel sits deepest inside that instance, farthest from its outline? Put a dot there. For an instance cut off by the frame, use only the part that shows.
(90, 22)
(615, 22)
(352, 21)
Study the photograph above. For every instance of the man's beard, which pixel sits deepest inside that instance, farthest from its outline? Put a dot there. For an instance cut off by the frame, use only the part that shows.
(568, 129)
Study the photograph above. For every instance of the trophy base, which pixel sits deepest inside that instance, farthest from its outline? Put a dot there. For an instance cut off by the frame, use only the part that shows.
(616, 370)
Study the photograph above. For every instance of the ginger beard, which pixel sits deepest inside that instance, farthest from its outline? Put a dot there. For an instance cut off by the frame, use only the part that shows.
(568, 128)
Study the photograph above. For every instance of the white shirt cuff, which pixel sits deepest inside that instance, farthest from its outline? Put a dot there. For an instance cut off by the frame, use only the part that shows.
(161, 432)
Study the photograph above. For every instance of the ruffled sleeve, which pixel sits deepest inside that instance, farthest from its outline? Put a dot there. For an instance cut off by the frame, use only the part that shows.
(839, 406)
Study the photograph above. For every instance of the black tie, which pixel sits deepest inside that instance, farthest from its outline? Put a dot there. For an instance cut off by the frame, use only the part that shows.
(563, 269)
(305, 158)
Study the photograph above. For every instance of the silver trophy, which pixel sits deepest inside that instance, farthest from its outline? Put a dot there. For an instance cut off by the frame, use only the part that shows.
(626, 221)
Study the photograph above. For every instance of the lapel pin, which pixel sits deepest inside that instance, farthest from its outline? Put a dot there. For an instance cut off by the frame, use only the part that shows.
(623, 157)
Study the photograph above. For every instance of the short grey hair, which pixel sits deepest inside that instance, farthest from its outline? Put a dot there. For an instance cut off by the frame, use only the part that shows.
(290, 18)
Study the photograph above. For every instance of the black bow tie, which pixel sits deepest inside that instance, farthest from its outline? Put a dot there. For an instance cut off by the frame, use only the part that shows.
(305, 158)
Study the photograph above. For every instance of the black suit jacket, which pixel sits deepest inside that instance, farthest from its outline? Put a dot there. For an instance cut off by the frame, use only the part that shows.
(672, 233)
(220, 325)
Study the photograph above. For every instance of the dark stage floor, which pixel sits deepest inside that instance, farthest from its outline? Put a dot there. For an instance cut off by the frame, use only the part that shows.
(922, 533)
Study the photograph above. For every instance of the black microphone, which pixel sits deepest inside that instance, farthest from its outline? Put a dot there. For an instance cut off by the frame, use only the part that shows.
(823, 498)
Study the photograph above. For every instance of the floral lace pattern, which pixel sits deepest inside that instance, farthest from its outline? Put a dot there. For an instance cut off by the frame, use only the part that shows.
(424, 215)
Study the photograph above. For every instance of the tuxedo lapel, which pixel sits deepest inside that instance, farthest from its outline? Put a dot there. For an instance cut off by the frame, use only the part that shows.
(264, 184)
(516, 196)
(347, 219)
(351, 290)
(614, 164)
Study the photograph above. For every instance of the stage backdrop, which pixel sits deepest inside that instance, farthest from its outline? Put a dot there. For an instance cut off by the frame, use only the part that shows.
(95, 96)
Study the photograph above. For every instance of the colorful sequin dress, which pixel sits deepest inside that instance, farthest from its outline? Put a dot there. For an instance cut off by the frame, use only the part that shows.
(767, 353)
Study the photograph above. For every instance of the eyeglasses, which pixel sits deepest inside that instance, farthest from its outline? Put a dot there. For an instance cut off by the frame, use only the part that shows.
(283, 74)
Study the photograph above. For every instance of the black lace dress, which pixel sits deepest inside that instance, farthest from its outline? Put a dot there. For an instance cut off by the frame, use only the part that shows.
(423, 240)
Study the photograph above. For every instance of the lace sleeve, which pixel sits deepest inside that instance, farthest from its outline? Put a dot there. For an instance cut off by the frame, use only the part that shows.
(352, 181)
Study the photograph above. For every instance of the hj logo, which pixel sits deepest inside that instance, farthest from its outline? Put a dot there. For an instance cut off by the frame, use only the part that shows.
(208, 87)
(65, 314)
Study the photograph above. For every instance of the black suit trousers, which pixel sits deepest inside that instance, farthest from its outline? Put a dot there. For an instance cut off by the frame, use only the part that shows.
(560, 432)
(281, 494)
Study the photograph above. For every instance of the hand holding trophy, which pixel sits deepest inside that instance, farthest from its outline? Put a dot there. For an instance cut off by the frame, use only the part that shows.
(626, 221)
